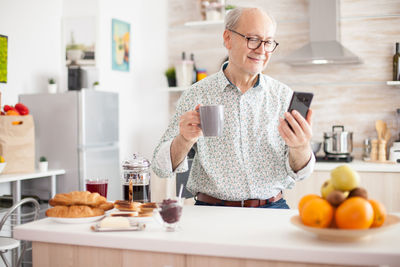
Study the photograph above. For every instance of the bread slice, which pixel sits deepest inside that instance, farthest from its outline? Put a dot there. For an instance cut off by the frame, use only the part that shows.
(148, 207)
(125, 205)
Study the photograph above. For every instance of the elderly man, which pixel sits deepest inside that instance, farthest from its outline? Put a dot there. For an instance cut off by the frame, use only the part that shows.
(259, 155)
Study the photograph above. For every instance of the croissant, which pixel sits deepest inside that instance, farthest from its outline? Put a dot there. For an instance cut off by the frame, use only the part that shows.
(74, 211)
(106, 206)
(77, 198)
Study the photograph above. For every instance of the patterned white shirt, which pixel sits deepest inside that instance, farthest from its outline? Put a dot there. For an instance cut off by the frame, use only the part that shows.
(250, 160)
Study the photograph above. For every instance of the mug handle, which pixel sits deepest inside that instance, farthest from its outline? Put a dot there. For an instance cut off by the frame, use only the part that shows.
(198, 111)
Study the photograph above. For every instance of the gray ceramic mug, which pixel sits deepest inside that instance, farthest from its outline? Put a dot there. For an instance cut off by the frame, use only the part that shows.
(212, 120)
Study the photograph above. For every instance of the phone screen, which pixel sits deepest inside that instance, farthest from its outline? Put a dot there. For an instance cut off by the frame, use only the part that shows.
(300, 102)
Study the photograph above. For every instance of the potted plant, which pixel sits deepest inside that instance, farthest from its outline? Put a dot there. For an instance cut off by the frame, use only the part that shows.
(52, 86)
(229, 8)
(43, 164)
(96, 85)
(171, 76)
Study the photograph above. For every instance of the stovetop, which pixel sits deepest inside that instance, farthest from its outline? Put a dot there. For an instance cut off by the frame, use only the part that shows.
(326, 158)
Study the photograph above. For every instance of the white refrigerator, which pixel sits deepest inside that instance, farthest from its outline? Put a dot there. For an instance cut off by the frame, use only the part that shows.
(77, 131)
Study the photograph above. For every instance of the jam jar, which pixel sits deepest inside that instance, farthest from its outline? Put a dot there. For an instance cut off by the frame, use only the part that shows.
(137, 170)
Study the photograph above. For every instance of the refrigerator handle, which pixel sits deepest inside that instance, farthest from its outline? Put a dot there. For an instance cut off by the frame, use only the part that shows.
(82, 169)
(102, 147)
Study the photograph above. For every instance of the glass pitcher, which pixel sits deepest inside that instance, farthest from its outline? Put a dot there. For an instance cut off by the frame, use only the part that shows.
(137, 170)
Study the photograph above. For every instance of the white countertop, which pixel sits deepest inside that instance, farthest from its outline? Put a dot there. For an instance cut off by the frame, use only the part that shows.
(11, 177)
(359, 165)
(228, 232)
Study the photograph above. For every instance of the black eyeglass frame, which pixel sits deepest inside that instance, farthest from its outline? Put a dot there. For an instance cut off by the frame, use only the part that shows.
(261, 41)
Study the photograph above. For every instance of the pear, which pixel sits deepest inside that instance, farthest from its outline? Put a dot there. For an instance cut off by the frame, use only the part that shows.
(344, 178)
(326, 188)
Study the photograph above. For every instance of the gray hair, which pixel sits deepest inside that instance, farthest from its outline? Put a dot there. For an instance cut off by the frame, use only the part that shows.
(233, 16)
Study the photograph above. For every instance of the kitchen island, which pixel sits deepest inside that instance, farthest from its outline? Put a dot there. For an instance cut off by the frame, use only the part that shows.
(209, 236)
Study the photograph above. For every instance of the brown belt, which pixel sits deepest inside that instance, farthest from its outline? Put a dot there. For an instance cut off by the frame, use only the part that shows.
(245, 203)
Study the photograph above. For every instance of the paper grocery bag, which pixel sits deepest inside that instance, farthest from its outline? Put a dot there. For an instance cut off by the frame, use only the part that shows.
(17, 143)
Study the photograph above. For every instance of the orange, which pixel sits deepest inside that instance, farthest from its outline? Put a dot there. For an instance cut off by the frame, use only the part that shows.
(317, 212)
(12, 112)
(305, 199)
(333, 222)
(379, 213)
(354, 213)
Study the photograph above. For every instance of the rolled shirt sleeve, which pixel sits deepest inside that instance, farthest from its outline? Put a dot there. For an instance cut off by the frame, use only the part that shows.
(303, 173)
(162, 164)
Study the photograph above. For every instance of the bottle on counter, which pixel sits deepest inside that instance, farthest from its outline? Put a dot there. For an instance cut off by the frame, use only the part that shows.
(194, 68)
(201, 74)
(396, 61)
(374, 150)
(366, 149)
(184, 71)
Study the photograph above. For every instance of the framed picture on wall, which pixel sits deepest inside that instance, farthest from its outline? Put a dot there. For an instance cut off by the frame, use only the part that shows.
(3, 58)
(120, 45)
(79, 39)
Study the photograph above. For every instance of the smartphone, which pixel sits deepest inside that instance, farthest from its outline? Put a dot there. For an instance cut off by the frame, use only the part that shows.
(301, 102)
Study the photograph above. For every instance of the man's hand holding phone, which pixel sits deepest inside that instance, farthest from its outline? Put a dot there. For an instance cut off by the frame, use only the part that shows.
(296, 127)
(296, 130)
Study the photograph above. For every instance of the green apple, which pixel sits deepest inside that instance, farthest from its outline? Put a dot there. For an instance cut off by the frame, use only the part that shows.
(326, 188)
(344, 178)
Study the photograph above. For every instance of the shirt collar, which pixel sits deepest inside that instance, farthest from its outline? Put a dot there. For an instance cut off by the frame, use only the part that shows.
(223, 82)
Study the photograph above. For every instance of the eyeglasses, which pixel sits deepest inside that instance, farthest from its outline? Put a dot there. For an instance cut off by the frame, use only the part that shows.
(254, 43)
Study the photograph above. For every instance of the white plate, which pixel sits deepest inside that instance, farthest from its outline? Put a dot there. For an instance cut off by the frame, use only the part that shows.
(346, 235)
(77, 220)
(134, 218)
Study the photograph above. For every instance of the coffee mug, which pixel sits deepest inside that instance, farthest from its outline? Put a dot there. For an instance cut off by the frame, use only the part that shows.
(212, 120)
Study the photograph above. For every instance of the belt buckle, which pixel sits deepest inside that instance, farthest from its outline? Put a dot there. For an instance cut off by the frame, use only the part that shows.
(242, 203)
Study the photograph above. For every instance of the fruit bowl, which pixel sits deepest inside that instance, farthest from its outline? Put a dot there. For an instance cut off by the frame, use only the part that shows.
(2, 165)
(342, 235)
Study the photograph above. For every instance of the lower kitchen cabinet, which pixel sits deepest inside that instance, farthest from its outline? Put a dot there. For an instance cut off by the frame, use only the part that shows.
(202, 261)
(382, 186)
(60, 255)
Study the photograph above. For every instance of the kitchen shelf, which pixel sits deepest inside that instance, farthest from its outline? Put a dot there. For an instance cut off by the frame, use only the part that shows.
(176, 89)
(393, 82)
(203, 23)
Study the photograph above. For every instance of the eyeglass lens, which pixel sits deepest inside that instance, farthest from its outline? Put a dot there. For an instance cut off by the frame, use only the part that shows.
(253, 43)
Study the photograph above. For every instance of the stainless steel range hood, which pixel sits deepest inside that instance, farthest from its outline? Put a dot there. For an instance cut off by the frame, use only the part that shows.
(324, 46)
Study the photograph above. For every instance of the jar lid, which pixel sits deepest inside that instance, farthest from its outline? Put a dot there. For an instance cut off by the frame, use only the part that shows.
(135, 162)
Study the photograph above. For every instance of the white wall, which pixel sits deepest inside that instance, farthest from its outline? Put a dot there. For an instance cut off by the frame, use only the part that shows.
(35, 53)
(34, 39)
(143, 104)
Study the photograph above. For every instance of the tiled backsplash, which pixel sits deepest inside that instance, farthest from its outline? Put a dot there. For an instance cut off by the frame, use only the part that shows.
(351, 95)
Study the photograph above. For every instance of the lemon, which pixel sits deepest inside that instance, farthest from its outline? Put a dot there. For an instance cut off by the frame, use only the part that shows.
(2, 159)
